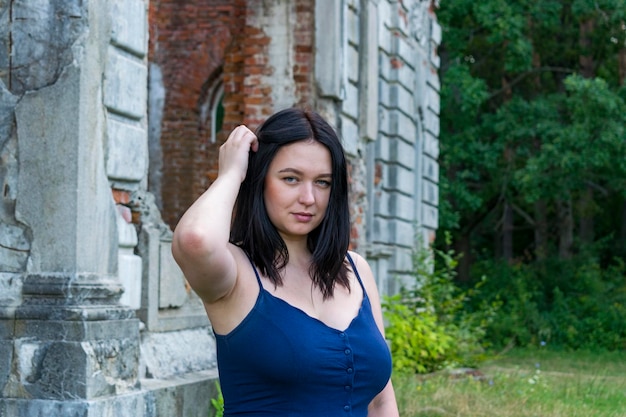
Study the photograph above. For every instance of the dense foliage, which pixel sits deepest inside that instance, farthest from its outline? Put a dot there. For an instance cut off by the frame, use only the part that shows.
(572, 304)
(533, 158)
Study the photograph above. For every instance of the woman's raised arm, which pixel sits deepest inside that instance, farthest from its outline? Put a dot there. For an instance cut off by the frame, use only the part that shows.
(200, 244)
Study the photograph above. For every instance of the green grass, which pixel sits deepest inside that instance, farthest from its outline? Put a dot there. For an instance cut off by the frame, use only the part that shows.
(522, 383)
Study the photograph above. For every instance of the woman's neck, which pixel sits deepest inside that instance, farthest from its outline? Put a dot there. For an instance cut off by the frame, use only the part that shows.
(299, 254)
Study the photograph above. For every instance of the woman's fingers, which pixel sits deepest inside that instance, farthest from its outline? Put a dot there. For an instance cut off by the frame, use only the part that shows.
(255, 143)
(241, 135)
(234, 153)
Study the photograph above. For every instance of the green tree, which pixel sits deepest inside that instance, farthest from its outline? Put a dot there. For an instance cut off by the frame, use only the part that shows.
(532, 129)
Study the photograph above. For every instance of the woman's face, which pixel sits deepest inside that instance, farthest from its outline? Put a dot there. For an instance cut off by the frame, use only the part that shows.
(297, 188)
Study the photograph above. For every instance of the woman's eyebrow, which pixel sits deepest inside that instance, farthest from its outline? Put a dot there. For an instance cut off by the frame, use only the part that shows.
(294, 170)
(297, 171)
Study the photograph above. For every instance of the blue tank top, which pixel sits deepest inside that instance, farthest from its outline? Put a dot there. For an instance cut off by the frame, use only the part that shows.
(281, 362)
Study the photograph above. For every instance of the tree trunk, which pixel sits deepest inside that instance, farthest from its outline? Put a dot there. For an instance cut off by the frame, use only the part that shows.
(587, 69)
(507, 232)
(541, 230)
(621, 241)
(621, 64)
(565, 223)
(585, 213)
(462, 247)
(540, 206)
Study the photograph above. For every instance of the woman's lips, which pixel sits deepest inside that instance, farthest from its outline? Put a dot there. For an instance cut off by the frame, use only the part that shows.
(303, 217)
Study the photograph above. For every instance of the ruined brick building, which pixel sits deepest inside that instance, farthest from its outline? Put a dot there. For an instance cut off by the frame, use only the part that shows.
(111, 115)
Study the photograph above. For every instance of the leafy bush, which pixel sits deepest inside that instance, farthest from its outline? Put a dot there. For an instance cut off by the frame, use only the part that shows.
(218, 402)
(427, 322)
(571, 304)
(419, 343)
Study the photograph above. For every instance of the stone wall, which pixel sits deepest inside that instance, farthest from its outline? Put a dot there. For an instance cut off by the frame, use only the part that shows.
(93, 308)
(403, 159)
(69, 347)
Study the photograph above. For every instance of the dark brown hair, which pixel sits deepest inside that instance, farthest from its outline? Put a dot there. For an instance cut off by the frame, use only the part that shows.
(252, 229)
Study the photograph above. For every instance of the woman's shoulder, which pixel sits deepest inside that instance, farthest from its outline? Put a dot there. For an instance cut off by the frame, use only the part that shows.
(363, 268)
(358, 259)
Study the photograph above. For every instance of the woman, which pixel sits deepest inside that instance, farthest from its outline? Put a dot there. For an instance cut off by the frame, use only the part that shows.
(296, 316)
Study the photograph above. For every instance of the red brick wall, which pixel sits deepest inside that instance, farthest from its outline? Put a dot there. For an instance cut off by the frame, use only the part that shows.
(188, 41)
(304, 41)
(194, 42)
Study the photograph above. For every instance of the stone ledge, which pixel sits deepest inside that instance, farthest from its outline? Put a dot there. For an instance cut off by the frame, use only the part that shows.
(129, 405)
(75, 288)
(168, 354)
(186, 395)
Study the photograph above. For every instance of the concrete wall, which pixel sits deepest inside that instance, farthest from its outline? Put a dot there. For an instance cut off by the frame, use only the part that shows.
(107, 134)
(93, 308)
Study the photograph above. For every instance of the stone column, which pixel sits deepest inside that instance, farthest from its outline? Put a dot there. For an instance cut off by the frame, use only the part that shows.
(71, 348)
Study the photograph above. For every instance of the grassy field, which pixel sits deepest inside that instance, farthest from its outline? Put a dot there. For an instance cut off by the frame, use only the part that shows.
(522, 383)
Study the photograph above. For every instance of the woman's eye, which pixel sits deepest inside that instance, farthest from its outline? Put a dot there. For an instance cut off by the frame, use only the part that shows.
(323, 183)
(290, 180)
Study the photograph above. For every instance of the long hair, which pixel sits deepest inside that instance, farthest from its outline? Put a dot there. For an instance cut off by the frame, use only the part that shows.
(252, 229)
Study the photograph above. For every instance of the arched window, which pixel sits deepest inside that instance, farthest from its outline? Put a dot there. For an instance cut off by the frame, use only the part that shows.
(217, 112)
(212, 105)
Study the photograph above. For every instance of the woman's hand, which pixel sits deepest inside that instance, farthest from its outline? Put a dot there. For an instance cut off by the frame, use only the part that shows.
(235, 152)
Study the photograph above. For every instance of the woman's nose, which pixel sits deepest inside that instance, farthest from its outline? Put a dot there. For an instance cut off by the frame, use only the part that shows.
(306, 194)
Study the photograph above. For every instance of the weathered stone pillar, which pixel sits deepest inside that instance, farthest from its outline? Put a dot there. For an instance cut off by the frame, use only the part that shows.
(68, 347)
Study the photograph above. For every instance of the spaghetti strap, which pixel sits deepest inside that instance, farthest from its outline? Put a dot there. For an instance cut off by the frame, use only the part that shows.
(356, 272)
(258, 278)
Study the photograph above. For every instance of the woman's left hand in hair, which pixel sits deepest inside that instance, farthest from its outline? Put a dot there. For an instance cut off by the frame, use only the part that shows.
(235, 152)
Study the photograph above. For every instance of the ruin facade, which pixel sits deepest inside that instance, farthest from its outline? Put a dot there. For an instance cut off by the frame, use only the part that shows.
(111, 116)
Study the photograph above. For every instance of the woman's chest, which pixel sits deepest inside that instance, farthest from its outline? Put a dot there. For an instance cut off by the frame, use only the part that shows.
(336, 312)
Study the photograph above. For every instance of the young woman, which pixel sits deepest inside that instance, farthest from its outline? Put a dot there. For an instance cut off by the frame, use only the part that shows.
(296, 316)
